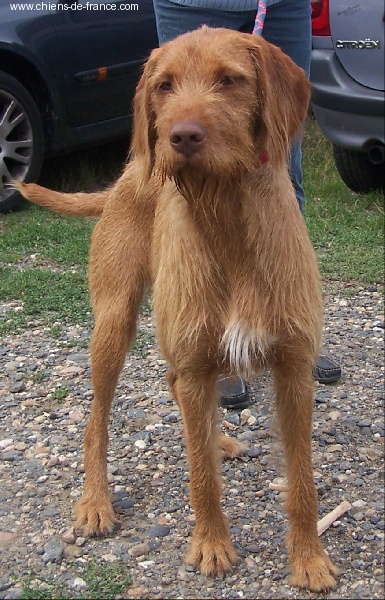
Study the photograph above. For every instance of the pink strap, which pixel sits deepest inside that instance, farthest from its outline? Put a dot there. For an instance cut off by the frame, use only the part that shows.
(260, 18)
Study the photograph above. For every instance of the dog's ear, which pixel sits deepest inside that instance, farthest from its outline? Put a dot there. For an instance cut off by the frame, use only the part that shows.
(144, 135)
(284, 95)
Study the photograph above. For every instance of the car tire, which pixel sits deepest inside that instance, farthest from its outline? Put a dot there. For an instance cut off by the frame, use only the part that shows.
(21, 139)
(357, 171)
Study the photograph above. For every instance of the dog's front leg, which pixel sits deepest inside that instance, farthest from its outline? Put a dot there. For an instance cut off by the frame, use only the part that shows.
(211, 551)
(118, 277)
(94, 511)
(311, 568)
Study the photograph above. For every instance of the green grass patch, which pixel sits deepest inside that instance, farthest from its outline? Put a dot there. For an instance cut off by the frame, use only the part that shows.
(103, 580)
(44, 235)
(43, 265)
(44, 294)
(347, 229)
(60, 393)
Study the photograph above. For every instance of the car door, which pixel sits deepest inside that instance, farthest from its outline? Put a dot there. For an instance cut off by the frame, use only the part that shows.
(102, 47)
(357, 30)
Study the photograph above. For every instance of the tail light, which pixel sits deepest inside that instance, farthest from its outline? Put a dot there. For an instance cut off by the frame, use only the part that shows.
(320, 17)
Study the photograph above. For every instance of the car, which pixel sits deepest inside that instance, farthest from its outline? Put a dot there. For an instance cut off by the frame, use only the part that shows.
(67, 78)
(347, 76)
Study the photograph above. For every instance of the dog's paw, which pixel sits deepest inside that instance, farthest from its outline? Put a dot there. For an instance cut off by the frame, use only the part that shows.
(212, 558)
(94, 518)
(316, 573)
(231, 447)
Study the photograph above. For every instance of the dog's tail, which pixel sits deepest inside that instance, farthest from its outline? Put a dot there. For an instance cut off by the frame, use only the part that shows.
(81, 204)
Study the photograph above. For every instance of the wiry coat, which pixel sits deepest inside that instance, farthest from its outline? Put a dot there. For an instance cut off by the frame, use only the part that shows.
(206, 213)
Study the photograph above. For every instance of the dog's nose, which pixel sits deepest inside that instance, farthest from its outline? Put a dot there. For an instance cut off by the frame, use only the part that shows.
(187, 137)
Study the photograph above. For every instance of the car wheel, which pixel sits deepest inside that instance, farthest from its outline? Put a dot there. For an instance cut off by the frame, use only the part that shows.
(21, 139)
(357, 171)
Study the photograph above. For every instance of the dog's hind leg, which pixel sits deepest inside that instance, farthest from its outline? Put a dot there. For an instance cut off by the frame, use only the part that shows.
(211, 551)
(118, 277)
(310, 566)
(229, 446)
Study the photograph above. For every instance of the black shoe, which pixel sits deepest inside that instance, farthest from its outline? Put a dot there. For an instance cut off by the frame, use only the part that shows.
(326, 370)
(233, 392)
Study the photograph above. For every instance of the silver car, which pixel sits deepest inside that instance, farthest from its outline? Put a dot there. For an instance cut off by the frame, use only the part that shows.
(347, 75)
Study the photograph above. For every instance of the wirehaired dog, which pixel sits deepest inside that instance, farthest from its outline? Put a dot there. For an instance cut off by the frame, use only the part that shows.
(206, 214)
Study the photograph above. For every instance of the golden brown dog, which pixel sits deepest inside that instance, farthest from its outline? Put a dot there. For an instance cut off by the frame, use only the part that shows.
(205, 212)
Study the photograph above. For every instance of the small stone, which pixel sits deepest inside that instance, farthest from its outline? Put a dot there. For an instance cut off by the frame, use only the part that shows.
(137, 592)
(17, 387)
(79, 584)
(158, 531)
(145, 564)
(245, 414)
(184, 575)
(5, 443)
(232, 418)
(140, 550)
(253, 549)
(127, 503)
(334, 415)
(254, 452)
(71, 552)
(80, 541)
(69, 371)
(364, 423)
(14, 593)
(359, 516)
(250, 562)
(141, 444)
(53, 552)
(6, 537)
(110, 557)
(334, 448)
(76, 416)
(9, 456)
(247, 436)
(69, 536)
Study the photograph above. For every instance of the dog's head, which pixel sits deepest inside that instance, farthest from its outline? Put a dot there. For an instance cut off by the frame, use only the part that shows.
(213, 101)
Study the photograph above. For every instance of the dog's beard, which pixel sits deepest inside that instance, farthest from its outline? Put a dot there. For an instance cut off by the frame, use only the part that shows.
(191, 175)
(191, 186)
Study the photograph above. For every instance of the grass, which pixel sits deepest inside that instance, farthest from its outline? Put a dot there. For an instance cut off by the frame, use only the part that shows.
(103, 580)
(43, 256)
(346, 229)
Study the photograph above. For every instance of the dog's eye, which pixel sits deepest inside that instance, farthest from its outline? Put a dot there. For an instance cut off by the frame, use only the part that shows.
(165, 86)
(227, 80)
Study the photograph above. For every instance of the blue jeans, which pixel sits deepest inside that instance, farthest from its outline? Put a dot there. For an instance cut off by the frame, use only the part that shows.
(287, 25)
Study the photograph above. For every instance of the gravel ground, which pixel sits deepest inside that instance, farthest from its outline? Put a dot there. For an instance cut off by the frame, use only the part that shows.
(45, 398)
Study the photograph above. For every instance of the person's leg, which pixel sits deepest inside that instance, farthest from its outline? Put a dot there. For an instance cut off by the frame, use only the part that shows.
(174, 19)
(288, 26)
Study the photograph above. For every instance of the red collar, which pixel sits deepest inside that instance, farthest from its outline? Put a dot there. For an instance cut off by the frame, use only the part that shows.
(262, 158)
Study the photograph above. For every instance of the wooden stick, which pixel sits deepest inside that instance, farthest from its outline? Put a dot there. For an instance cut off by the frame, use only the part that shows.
(279, 484)
(329, 519)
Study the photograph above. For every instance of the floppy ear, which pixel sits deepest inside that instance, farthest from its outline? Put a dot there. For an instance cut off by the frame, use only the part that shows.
(284, 95)
(144, 134)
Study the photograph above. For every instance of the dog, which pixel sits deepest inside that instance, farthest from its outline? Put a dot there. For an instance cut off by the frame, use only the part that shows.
(205, 214)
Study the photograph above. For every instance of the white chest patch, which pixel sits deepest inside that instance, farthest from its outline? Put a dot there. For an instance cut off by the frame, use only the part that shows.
(245, 346)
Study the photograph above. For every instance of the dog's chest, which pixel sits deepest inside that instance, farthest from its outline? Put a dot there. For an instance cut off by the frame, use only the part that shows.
(207, 282)
(245, 345)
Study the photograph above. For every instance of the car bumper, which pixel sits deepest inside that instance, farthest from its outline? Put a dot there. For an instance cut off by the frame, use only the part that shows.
(349, 114)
